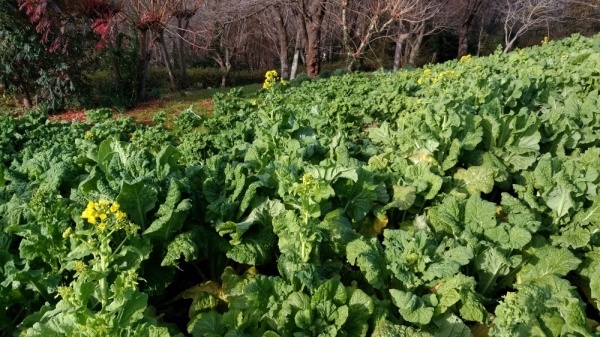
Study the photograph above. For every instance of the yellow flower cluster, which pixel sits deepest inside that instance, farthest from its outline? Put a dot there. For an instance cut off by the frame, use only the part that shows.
(88, 135)
(465, 59)
(545, 40)
(434, 79)
(102, 213)
(271, 78)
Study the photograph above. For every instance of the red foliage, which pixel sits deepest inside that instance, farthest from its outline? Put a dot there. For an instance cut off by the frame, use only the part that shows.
(44, 14)
(51, 21)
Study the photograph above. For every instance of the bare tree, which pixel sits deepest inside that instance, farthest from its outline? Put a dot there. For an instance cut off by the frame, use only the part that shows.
(521, 16)
(310, 14)
(427, 18)
(183, 13)
(469, 9)
(365, 20)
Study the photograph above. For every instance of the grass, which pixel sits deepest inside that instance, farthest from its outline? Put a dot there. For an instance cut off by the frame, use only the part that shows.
(172, 103)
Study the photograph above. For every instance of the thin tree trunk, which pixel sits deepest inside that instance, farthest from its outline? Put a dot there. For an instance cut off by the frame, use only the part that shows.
(398, 55)
(463, 32)
(143, 60)
(116, 73)
(297, 48)
(167, 60)
(182, 27)
(346, 35)
(226, 66)
(473, 7)
(480, 39)
(416, 46)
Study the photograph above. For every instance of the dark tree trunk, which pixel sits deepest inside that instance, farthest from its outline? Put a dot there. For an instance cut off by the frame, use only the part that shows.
(313, 60)
(312, 14)
(473, 7)
(143, 60)
(116, 73)
(282, 40)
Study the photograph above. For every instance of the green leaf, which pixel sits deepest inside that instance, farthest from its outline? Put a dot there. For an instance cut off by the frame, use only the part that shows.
(256, 248)
(548, 261)
(136, 200)
(403, 199)
(170, 215)
(131, 309)
(206, 324)
(167, 161)
(479, 214)
(63, 324)
(589, 215)
(360, 309)
(368, 255)
(490, 265)
(475, 179)
(450, 325)
(332, 290)
(2, 179)
(560, 200)
(184, 245)
(411, 307)
(576, 237)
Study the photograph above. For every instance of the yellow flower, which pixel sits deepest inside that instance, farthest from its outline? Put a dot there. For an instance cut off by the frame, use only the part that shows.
(115, 207)
(102, 226)
(270, 79)
(120, 215)
(102, 216)
(104, 202)
(79, 266)
(420, 80)
(426, 72)
(465, 59)
(90, 214)
(67, 233)
(544, 40)
(88, 135)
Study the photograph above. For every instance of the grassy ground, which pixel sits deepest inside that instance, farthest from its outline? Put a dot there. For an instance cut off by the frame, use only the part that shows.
(172, 103)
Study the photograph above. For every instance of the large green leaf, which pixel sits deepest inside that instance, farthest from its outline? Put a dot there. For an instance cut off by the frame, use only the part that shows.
(136, 200)
(411, 307)
(171, 214)
(475, 179)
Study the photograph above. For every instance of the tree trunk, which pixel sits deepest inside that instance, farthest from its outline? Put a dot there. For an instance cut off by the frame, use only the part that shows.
(463, 32)
(398, 55)
(296, 56)
(312, 26)
(282, 41)
(416, 46)
(313, 59)
(346, 35)
(226, 66)
(167, 59)
(116, 73)
(142, 67)
(471, 10)
(182, 27)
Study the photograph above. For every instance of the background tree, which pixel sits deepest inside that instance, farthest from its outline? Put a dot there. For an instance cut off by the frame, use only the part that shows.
(310, 15)
(521, 16)
(468, 10)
